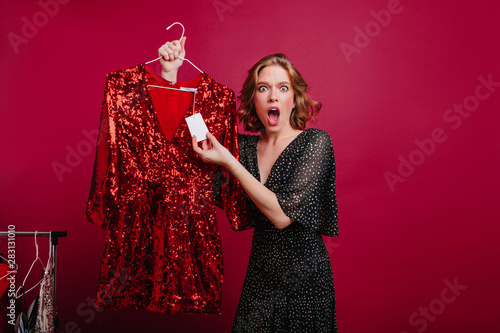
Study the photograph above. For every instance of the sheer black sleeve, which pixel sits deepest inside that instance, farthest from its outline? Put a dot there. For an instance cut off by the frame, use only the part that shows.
(307, 193)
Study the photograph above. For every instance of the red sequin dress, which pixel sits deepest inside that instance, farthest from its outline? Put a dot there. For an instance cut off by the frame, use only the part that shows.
(157, 198)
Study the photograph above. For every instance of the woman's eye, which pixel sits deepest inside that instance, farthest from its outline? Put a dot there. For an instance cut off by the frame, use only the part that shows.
(262, 88)
(284, 88)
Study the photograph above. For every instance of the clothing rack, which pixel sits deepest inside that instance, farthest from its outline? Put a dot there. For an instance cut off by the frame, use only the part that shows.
(55, 241)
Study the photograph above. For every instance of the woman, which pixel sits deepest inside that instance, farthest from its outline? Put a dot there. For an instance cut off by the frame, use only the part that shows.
(288, 173)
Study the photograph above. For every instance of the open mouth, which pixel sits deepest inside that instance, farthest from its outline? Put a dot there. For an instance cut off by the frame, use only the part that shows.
(273, 116)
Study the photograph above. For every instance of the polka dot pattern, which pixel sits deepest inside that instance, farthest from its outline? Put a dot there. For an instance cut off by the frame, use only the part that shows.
(289, 282)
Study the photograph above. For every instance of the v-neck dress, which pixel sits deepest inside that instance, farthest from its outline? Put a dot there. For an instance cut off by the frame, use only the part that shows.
(155, 197)
(289, 282)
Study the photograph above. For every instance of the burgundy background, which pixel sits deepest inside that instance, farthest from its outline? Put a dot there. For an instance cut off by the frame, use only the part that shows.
(397, 246)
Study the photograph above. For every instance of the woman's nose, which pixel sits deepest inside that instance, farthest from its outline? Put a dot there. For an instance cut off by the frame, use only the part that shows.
(272, 96)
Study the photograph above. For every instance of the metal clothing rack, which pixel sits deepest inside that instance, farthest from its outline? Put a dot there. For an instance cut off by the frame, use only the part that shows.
(55, 241)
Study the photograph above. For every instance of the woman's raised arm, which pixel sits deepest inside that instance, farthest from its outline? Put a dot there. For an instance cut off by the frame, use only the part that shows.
(170, 62)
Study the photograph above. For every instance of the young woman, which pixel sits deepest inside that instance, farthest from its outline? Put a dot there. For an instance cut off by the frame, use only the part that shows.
(288, 173)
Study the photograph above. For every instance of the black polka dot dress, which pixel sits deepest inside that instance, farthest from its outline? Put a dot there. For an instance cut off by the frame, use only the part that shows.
(289, 284)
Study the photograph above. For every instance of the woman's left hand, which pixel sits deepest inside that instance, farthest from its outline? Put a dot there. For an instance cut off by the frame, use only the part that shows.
(212, 151)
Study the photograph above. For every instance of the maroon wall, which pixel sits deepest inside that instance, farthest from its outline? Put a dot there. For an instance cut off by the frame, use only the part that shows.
(411, 94)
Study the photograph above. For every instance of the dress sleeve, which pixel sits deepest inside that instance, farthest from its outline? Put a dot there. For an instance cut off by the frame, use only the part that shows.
(308, 193)
(232, 194)
(102, 202)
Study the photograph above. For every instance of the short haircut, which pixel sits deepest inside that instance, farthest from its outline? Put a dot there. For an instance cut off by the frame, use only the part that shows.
(305, 108)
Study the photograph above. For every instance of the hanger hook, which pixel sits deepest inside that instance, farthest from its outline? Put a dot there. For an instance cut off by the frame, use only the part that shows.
(183, 30)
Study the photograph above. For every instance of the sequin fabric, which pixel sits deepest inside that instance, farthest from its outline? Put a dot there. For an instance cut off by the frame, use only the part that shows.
(156, 199)
(289, 282)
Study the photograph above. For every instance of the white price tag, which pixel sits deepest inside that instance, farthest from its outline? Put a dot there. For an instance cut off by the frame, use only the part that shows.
(197, 126)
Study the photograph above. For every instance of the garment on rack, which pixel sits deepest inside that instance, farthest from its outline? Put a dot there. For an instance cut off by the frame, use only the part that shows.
(26, 318)
(5, 299)
(289, 282)
(46, 310)
(156, 197)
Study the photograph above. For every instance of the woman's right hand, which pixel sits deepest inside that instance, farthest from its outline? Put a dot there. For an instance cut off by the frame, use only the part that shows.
(211, 151)
(170, 62)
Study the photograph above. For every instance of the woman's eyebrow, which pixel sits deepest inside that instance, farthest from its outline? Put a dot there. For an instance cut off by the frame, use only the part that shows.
(267, 83)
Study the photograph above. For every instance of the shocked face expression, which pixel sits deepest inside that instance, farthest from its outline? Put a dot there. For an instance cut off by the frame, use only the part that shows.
(274, 98)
